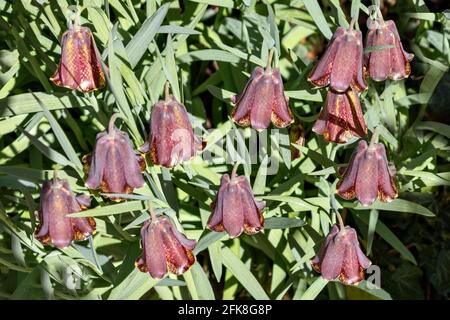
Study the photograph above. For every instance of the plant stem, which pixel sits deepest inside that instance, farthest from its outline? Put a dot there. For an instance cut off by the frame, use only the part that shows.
(334, 206)
(269, 59)
(352, 23)
(380, 16)
(341, 222)
(112, 120)
(233, 172)
(152, 212)
(167, 91)
(55, 176)
(374, 138)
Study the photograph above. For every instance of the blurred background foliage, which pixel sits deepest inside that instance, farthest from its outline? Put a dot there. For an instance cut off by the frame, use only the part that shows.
(206, 49)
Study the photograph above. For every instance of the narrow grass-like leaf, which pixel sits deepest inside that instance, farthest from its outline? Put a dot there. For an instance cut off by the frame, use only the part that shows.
(317, 14)
(142, 39)
(243, 275)
(314, 289)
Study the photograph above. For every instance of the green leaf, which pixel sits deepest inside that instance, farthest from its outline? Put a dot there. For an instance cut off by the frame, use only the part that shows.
(373, 219)
(283, 223)
(437, 127)
(243, 274)
(219, 3)
(316, 13)
(314, 289)
(108, 210)
(142, 39)
(134, 286)
(25, 103)
(399, 205)
(207, 240)
(62, 139)
(201, 281)
(388, 236)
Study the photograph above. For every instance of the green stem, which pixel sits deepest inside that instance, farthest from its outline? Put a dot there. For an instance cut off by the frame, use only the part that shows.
(167, 91)
(269, 59)
(152, 212)
(341, 222)
(352, 23)
(334, 206)
(380, 16)
(55, 176)
(233, 172)
(111, 123)
(374, 138)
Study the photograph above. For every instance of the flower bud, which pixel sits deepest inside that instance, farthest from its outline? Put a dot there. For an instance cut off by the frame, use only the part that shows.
(165, 249)
(172, 140)
(387, 59)
(340, 256)
(80, 64)
(262, 101)
(368, 176)
(341, 64)
(341, 118)
(235, 208)
(114, 166)
(55, 227)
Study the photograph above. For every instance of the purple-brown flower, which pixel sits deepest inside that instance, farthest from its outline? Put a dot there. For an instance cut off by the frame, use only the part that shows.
(341, 118)
(340, 256)
(263, 101)
(172, 139)
(235, 208)
(368, 176)
(80, 64)
(342, 63)
(114, 166)
(55, 227)
(165, 249)
(387, 59)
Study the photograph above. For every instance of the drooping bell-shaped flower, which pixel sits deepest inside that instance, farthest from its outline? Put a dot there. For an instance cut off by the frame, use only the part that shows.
(165, 249)
(342, 63)
(57, 200)
(341, 257)
(368, 176)
(386, 58)
(341, 118)
(172, 139)
(80, 63)
(235, 208)
(263, 100)
(114, 166)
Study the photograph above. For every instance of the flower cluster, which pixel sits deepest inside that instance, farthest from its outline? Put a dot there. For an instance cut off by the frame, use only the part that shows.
(368, 176)
(115, 167)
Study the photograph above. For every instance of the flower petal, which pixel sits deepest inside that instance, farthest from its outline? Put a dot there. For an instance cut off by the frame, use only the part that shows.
(179, 258)
(261, 112)
(215, 221)
(244, 103)
(320, 75)
(366, 186)
(253, 219)
(334, 256)
(386, 182)
(281, 114)
(98, 162)
(345, 64)
(233, 216)
(346, 186)
(154, 251)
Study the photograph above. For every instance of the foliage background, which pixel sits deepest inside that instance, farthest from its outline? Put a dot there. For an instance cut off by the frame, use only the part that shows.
(206, 49)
